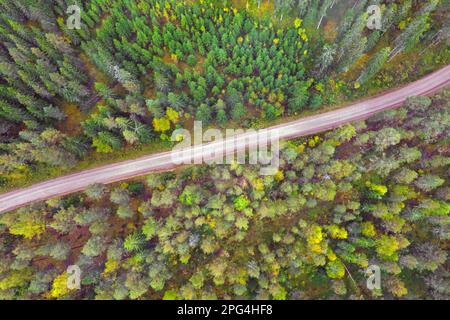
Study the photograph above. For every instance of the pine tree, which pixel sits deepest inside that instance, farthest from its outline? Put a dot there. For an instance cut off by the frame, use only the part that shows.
(374, 65)
(411, 36)
(326, 4)
(326, 58)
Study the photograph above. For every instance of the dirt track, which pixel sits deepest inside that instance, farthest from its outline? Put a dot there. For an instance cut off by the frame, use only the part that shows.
(164, 161)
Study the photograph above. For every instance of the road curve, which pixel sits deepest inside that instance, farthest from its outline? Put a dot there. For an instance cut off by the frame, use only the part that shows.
(164, 161)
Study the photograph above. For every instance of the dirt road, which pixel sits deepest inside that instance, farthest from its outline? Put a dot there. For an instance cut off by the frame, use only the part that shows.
(164, 161)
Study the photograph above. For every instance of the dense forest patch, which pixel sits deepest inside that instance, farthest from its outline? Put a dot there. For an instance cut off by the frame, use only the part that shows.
(136, 70)
(368, 193)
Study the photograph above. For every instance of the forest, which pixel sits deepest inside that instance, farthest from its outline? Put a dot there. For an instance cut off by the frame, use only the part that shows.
(136, 70)
(373, 192)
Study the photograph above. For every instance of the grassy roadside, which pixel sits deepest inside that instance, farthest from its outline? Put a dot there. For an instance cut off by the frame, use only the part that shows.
(44, 172)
